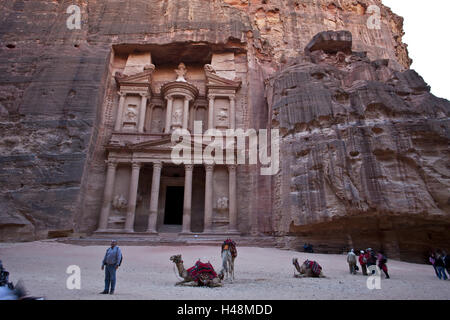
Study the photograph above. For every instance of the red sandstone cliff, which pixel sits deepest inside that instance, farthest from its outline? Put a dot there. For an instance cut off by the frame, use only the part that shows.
(54, 128)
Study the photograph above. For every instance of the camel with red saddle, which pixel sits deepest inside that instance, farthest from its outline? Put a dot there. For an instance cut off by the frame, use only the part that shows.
(309, 269)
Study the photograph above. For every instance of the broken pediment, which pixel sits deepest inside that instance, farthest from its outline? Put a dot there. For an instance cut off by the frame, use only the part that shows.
(143, 77)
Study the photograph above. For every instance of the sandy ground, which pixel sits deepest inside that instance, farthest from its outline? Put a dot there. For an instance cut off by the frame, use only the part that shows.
(261, 273)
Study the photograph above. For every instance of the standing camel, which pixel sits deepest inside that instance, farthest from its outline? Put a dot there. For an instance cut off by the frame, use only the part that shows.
(227, 264)
(229, 254)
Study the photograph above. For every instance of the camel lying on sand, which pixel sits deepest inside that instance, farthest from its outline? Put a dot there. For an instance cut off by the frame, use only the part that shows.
(309, 269)
(203, 278)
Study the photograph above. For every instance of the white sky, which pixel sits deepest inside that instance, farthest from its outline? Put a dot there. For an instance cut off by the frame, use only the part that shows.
(427, 33)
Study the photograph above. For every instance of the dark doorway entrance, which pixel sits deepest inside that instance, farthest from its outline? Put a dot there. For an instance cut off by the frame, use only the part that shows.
(174, 205)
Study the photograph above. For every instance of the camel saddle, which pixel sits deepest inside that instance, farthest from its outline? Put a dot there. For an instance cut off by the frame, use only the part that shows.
(200, 269)
(230, 244)
(314, 266)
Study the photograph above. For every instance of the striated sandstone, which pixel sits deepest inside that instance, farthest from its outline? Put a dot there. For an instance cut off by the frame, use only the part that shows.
(364, 153)
(361, 132)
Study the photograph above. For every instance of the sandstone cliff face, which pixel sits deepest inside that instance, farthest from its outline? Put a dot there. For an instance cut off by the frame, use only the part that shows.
(364, 152)
(54, 81)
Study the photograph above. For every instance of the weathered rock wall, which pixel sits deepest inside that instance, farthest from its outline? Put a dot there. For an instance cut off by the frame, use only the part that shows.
(364, 153)
(54, 81)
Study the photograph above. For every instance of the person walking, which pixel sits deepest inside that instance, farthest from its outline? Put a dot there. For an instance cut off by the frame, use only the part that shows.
(363, 262)
(432, 260)
(447, 262)
(382, 260)
(351, 260)
(112, 261)
(440, 265)
(371, 260)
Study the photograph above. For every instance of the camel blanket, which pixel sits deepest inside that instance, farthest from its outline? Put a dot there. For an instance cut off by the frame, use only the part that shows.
(314, 266)
(201, 268)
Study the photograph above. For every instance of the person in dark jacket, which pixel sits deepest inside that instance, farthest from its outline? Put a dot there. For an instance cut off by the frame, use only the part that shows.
(432, 260)
(440, 265)
(371, 259)
(447, 262)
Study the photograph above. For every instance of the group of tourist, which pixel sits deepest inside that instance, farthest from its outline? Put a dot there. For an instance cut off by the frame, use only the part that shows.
(440, 262)
(368, 259)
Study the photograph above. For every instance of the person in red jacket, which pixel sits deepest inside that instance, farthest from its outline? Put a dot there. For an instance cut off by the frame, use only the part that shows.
(363, 262)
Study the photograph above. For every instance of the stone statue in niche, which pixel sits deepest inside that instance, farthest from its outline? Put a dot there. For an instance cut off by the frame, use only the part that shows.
(222, 204)
(181, 72)
(119, 202)
(222, 116)
(131, 114)
(177, 117)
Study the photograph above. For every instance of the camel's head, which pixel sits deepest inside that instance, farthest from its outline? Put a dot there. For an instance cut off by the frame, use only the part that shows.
(294, 261)
(176, 258)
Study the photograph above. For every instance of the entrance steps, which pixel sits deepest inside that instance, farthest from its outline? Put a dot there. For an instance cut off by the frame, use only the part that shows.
(170, 239)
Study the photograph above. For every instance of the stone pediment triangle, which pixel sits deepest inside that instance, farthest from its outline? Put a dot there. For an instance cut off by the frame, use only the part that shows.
(160, 143)
(167, 143)
(215, 80)
(141, 77)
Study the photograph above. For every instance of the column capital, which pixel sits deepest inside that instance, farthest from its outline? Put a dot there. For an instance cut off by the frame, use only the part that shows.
(144, 94)
(111, 163)
(232, 167)
(169, 98)
(232, 97)
(189, 167)
(211, 97)
(136, 164)
(157, 165)
(209, 167)
(122, 94)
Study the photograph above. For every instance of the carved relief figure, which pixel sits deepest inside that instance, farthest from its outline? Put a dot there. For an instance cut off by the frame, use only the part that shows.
(177, 117)
(119, 202)
(209, 68)
(222, 116)
(131, 114)
(181, 72)
(222, 203)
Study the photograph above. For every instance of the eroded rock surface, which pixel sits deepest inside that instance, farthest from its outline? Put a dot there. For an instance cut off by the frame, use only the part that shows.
(56, 82)
(364, 154)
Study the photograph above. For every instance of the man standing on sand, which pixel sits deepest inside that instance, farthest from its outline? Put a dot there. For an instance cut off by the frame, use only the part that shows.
(112, 261)
(351, 259)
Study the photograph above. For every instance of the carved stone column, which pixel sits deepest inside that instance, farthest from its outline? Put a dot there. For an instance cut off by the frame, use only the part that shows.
(185, 113)
(142, 111)
(157, 166)
(107, 195)
(132, 196)
(118, 124)
(211, 113)
(187, 206)
(168, 114)
(232, 113)
(232, 205)
(208, 197)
